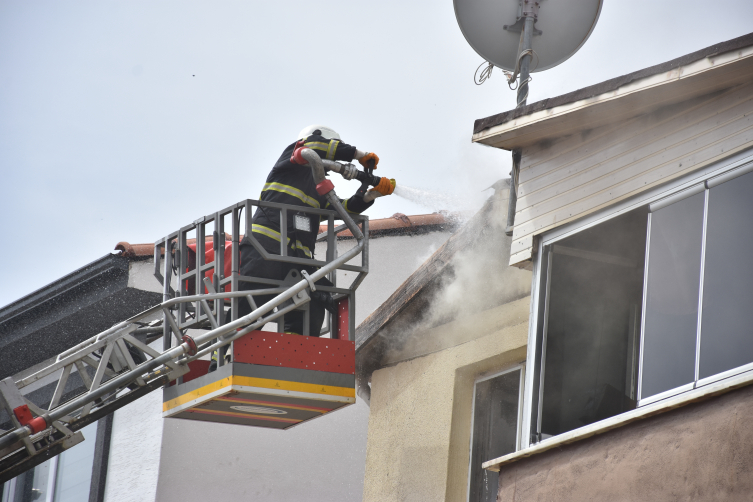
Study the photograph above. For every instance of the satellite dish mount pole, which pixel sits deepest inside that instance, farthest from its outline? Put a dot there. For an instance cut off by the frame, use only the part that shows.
(530, 13)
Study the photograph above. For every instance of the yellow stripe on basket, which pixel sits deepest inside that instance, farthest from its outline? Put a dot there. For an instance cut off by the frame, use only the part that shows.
(264, 383)
(294, 386)
(196, 394)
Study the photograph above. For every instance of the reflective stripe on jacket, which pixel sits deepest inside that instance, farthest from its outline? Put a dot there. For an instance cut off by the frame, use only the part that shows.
(275, 236)
(293, 184)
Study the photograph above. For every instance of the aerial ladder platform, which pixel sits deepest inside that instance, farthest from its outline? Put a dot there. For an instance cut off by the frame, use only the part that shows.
(263, 378)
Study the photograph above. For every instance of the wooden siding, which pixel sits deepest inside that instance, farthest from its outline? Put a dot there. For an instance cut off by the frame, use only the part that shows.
(572, 176)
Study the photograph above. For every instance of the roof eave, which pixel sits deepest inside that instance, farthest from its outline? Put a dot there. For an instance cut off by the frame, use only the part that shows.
(625, 97)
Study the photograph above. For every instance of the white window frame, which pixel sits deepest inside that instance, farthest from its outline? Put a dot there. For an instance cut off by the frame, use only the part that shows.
(519, 425)
(741, 163)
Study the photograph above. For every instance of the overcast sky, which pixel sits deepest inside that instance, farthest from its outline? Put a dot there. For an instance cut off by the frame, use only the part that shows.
(122, 121)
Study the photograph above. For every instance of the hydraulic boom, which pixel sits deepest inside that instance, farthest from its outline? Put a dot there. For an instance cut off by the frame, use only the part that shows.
(120, 364)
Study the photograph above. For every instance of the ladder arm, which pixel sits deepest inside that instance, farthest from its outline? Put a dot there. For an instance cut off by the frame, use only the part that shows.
(118, 379)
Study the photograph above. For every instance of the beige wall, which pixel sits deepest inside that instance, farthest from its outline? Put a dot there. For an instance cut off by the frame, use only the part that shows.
(570, 176)
(419, 425)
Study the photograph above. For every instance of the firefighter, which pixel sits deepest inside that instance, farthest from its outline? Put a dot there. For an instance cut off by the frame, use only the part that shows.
(293, 184)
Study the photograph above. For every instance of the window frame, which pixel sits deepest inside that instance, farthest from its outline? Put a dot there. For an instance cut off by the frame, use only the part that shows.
(100, 461)
(655, 206)
(519, 426)
(708, 176)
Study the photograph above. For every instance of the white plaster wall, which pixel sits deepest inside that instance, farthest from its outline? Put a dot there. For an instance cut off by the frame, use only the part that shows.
(135, 447)
(321, 460)
(141, 276)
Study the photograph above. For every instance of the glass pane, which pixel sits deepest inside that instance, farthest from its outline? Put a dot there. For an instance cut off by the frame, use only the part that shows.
(595, 292)
(28, 487)
(674, 271)
(74, 473)
(727, 320)
(495, 430)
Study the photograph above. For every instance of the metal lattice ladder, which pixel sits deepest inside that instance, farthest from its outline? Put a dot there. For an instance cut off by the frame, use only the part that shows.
(120, 364)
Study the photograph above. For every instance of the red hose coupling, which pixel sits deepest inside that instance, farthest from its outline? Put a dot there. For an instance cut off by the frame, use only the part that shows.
(37, 425)
(297, 158)
(192, 349)
(23, 414)
(324, 187)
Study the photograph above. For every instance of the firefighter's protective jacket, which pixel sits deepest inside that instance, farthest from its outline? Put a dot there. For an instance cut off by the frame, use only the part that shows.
(290, 183)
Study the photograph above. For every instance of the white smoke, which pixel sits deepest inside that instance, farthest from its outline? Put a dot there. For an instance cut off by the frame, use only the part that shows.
(475, 277)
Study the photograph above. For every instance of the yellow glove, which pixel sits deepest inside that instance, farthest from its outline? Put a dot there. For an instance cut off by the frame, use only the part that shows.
(366, 158)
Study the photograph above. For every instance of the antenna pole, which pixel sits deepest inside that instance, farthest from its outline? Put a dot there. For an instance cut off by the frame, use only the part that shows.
(530, 12)
(525, 63)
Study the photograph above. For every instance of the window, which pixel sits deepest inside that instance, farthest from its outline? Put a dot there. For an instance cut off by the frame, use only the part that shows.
(65, 478)
(592, 313)
(726, 337)
(643, 305)
(669, 332)
(699, 287)
(495, 430)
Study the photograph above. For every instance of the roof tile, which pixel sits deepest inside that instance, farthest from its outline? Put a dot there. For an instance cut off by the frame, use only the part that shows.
(398, 223)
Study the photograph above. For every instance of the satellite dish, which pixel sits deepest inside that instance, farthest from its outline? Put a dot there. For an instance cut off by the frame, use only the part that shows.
(493, 28)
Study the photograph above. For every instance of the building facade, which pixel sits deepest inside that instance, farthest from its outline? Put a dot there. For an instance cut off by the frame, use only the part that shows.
(451, 338)
(633, 217)
(634, 202)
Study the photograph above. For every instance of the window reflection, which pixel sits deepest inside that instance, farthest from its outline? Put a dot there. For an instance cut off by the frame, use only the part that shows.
(674, 272)
(727, 317)
(74, 472)
(596, 283)
(495, 430)
(65, 478)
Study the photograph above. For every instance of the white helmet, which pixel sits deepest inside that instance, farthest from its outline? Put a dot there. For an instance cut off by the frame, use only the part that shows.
(326, 132)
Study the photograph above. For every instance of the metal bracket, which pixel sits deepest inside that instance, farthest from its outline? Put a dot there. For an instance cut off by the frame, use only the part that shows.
(301, 298)
(75, 439)
(292, 278)
(308, 279)
(526, 8)
(11, 399)
(208, 284)
(530, 8)
(10, 395)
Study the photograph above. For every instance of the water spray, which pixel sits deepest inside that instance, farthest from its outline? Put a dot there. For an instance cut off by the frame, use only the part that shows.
(435, 201)
(432, 200)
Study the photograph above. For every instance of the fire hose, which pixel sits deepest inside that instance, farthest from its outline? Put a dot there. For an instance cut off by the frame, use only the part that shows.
(366, 177)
